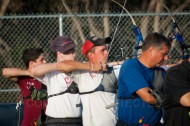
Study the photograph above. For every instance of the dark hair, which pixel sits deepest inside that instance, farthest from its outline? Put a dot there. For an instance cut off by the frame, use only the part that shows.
(31, 54)
(156, 40)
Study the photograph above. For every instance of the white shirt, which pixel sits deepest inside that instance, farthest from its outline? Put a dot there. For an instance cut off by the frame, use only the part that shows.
(94, 112)
(64, 105)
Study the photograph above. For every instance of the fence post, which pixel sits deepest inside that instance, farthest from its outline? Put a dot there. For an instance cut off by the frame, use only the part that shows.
(60, 25)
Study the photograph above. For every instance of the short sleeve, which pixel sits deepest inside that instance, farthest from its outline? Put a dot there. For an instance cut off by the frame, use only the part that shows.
(135, 79)
(132, 77)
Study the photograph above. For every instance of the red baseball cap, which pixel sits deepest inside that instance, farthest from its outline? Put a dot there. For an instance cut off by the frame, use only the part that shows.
(94, 41)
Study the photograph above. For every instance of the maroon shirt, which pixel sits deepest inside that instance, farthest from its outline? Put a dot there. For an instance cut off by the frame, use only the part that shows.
(32, 108)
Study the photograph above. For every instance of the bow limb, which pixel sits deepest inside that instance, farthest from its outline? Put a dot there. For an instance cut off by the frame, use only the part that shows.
(134, 23)
(177, 33)
(138, 34)
(113, 38)
(76, 22)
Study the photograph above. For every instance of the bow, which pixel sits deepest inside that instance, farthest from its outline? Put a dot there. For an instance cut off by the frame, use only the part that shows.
(138, 34)
(177, 34)
(116, 31)
(78, 27)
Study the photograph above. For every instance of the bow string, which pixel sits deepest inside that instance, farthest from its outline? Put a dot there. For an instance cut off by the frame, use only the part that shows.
(177, 34)
(138, 34)
(68, 10)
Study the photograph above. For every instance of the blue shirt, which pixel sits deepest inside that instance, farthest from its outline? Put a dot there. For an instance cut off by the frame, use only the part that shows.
(132, 77)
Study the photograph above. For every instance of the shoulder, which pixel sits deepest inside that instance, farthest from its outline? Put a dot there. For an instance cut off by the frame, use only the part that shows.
(131, 64)
(53, 73)
(184, 65)
(176, 72)
(49, 76)
(79, 73)
(176, 68)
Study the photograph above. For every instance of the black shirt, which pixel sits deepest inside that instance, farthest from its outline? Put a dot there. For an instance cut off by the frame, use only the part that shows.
(177, 84)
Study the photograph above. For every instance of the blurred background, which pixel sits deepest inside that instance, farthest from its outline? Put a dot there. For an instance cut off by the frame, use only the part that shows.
(35, 23)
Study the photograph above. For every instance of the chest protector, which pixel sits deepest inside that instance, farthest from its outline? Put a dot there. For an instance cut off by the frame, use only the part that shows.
(108, 83)
(158, 81)
(72, 89)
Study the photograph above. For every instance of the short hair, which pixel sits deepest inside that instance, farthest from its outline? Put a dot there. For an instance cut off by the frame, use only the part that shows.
(156, 40)
(91, 50)
(31, 54)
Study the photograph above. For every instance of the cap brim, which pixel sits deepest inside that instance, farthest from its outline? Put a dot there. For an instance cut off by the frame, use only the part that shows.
(103, 41)
(70, 46)
(63, 49)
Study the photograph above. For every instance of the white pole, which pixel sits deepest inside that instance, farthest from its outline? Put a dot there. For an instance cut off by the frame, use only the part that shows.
(60, 25)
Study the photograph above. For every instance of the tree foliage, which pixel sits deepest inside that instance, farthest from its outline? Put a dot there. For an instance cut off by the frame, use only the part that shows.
(14, 7)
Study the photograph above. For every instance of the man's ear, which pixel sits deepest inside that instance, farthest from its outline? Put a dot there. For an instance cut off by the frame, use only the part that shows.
(31, 64)
(90, 55)
(150, 50)
(60, 55)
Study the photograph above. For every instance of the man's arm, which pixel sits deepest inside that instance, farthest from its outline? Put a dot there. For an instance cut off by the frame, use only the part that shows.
(167, 66)
(185, 100)
(146, 96)
(69, 66)
(13, 73)
(65, 67)
(42, 69)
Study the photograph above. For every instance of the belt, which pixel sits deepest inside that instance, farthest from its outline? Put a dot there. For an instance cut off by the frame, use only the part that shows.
(89, 92)
(51, 120)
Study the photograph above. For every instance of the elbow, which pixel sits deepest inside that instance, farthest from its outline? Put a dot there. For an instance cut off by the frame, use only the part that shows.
(185, 99)
(186, 103)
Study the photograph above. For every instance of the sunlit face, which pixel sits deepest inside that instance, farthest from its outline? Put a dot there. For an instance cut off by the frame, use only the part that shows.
(100, 54)
(159, 56)
(40, 60)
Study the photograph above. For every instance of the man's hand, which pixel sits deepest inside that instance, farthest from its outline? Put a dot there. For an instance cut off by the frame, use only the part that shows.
(158, 98)
(98, 67)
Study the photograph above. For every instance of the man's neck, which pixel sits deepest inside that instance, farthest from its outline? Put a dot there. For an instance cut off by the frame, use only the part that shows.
(145, 61)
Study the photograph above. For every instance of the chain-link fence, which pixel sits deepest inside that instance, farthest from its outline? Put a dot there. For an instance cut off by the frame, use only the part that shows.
(21, 32)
